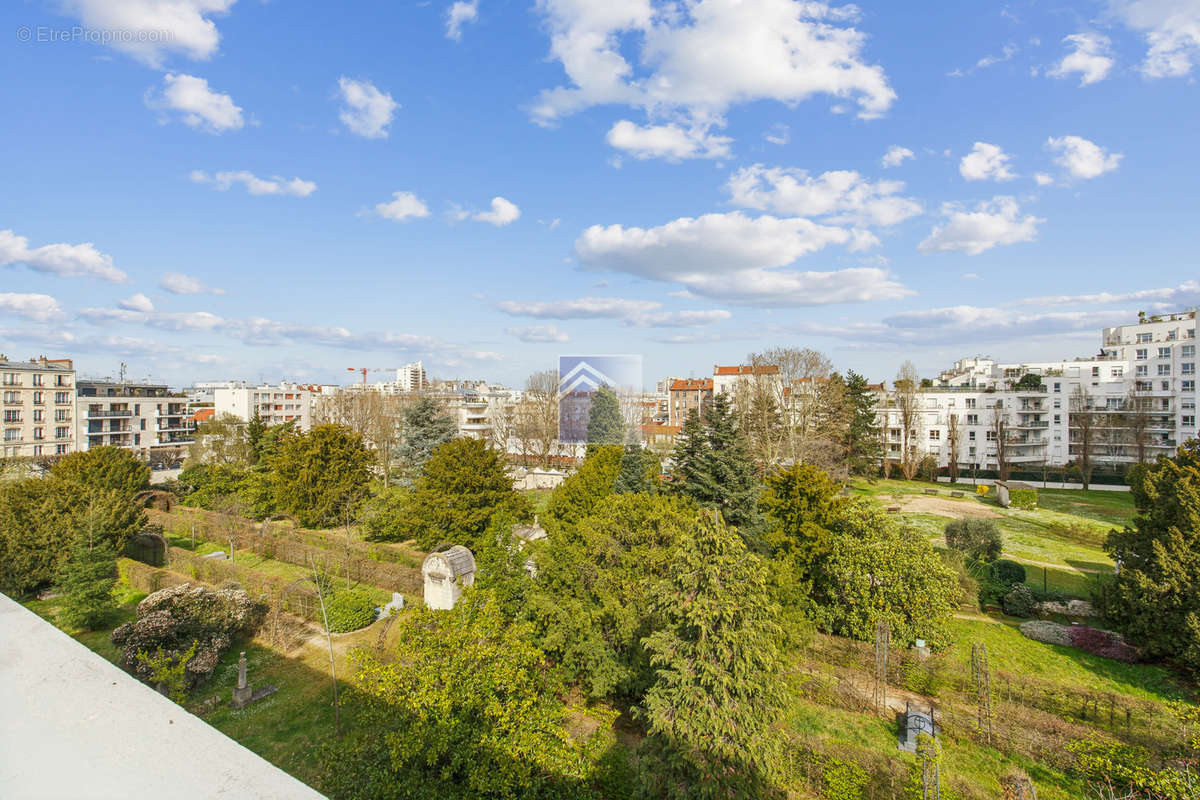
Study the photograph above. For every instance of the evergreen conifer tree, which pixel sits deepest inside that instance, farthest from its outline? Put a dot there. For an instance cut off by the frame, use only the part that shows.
(86, 579)
(863, 450)
(605, 425)
(635, 471)
(729, 471)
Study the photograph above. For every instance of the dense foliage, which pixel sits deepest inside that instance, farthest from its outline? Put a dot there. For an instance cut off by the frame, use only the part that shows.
(350, 609)
(172, 621)
(424, 426)
(639, 471)
(711, 710)
(579, 495)
(462, 486)
(712, 466)
(86, 579)
(383, 516)
(977, 539)
(801, 505)
(320, 476)
(605, 423)
(467, 708)
(1155, 597)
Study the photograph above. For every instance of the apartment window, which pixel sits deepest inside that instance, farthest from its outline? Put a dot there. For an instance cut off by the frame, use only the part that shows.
(1141, 353)
(1058, 419)
(62, 398)
(991, 436)
(37, 449)
(1095, 372)
(1165, 404)
(62, 433)
(970, 451)
(1164, 369)
(12, 434)
(1145, 337)
(1057, 386)
(11, 398)
(137, 438)
(143, 424)
(39, 434)
(1187, 351)
(1118, 372)
(60, 414)
(970, 402)
(1191, 333)
(1165, 386)
(972, 419)
(1057, 403)
(971, 436)
(38, 380)
(1141, 370)
(935, 436)
(12, 379)
(1188, 421)
(61, 380)
(1188, 386)
(12, 416)
(60, 449)
(1188, 368)
(38, 414)
(1164, 352)
(39, 398)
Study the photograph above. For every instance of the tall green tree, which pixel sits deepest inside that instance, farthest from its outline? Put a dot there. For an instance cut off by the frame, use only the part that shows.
(424, 426)
(462, 486)
(877, 569)
(801, 505)
(320, 473)
(863, 450)
(466, 708)
(581, 493)
(255, 430)
(590, 602)
(605, 424)
(712, 709)
(102, 469)
(86, 579)
(1155, 597)
(639, 471)
(714, 468)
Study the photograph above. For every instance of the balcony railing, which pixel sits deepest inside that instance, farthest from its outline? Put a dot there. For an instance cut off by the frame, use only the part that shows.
(94, 414)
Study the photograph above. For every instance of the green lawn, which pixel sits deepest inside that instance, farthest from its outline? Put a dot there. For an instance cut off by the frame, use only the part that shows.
(1114, 509)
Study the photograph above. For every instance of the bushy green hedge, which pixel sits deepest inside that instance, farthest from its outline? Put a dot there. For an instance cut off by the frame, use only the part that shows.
(1019, 601)
(1023, 498)
(349, 610)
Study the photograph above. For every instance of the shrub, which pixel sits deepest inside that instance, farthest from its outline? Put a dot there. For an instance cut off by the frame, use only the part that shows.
(843, 780)
(171, 620)
(1008, 572)
(1019, 601)
(349, 610)
(1103, 643)
(1023, 498)
(978, 539)
(1048, 632)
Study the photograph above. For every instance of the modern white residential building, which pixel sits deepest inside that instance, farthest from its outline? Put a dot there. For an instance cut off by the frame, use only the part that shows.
(147, 419)
(38, 407)
(1134, 401)
(275, 405)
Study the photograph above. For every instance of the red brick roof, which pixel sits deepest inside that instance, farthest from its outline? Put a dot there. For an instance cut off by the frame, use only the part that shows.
(204, 414)
(761, 369)
(696, 385)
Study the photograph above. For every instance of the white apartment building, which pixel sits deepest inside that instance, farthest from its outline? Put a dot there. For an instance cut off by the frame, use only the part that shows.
(147, 419)
(409, 379)
(275, 405)
(38, 407)
(1147, 369)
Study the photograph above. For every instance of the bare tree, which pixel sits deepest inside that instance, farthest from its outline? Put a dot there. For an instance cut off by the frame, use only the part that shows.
(220, 440)
(537, 417)
(1083, 432)
(1137, 422)
(503, 414)
(1002, 437)
(373, 415)
(801, 370)
(953, 444)
(908, 406)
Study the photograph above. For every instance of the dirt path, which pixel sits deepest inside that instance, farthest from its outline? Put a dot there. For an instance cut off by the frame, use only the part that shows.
(956, 509)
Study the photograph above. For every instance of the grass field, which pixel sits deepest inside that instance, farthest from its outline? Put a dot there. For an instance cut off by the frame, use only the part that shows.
(1061, 543)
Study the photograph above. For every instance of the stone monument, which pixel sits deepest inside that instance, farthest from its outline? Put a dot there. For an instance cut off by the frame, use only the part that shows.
(242, 693)
(446, 573)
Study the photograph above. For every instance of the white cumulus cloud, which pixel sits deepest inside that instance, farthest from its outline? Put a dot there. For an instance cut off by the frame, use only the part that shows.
(671, 142)
(535, 334)
(993, 223)
(223, 181)
(460, 14)
(638, 313)
(1090, 58)
(895, 156)
(201, 107)
(1082, 158)
(149, 29)
(736, 258)
(66, 260)
(37, 307)
(702, 57)
(178, 283)
(404, 205)
(842, 195)
(366, 110)
(503, 212)
(137, 302)
(1171, 29)
(986, 162)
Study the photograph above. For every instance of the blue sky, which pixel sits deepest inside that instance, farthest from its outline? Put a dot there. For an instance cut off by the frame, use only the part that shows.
(211, 189)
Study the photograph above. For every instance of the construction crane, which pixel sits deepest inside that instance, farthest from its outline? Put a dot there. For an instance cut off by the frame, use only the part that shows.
(365, 370)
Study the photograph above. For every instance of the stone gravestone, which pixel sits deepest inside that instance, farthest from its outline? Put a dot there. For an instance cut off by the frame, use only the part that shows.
(446, 573)
(242, 693)
(394, 607)
(913, 724)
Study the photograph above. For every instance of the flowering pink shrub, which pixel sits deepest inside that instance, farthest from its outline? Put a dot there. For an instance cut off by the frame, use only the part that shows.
(1104, 643)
